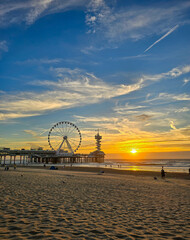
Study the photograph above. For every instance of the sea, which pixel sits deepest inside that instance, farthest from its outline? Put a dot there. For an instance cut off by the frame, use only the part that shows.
(170, 165)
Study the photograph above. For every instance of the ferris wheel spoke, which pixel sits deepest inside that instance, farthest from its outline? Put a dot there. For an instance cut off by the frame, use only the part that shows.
(63, 129)
(60, 131)
(73, 143)
(74, 146)
(64, 136)
(72, 130)
(64, 146)
(69, 128)
(56, 139)
(66, 129)
(57, 132)
(73, 134)
(74, 140)
(58, 145)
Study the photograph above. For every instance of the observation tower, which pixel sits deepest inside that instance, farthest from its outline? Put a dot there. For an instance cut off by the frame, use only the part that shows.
(98, 155)
(98, 141)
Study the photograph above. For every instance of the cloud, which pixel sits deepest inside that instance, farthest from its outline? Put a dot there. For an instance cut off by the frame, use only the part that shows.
(40, 61)
(164, 36)
(128, 109)
(12, 115)
(37, 10)
(87, 84)
(102, 17)
(143, 117)
(134, 22)
(131, 57)
(12, 12)
(15, 12)
(174, 73)
(3, 46)
(73, 87)
(179, 97)
(31, 132)
(185, 81)
(172, 125)
(167, 97)
(184, 109)
(37, 134)
(94, 119)
(185, 131)
(120, 134)
(91, 49)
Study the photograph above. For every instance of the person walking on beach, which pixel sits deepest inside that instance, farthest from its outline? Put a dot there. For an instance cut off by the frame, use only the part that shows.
(163, 174)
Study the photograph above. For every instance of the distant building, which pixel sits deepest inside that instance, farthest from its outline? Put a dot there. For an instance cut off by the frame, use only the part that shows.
(7, 149)
(98, 155)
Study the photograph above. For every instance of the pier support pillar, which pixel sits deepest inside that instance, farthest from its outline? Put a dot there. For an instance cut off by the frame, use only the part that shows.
(24, 159)
(14, 159)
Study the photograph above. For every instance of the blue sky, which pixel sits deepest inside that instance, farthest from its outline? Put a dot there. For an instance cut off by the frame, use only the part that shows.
(119, 66)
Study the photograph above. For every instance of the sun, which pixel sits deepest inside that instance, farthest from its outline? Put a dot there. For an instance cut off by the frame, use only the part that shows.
(133, 150)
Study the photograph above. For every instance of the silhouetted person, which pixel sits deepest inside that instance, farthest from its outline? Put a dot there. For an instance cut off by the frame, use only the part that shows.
(6, 168)
(163, 174)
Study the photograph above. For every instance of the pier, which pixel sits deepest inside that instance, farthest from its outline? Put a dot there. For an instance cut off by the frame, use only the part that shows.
(24, 157)
(69, 140)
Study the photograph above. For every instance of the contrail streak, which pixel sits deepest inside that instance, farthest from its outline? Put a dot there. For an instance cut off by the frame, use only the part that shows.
(168, 33)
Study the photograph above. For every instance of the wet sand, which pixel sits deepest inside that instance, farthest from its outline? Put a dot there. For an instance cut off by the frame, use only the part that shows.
(137, 173)
(54, 204)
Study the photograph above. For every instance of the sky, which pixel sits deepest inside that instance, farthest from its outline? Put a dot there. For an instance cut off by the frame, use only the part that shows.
(120, 66)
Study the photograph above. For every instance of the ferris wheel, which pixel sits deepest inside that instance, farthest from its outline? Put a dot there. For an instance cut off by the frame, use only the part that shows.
(64, 137)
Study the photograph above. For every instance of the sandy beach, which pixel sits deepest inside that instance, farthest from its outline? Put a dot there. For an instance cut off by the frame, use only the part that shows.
(73, 204)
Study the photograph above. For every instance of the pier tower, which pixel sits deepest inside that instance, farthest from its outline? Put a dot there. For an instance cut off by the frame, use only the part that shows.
(98, 141)
(97, 155)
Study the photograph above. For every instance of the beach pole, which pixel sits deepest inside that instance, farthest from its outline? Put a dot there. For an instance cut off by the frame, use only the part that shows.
(4, 159)
(28, 158)
(20, 159)
(0, 159)
(14, 159)
(10, 159)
